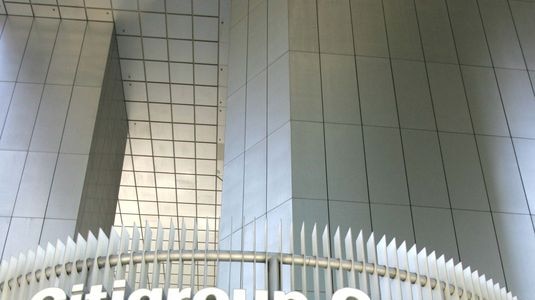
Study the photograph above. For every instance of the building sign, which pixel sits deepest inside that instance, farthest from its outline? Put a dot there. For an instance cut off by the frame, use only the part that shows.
(97, 292)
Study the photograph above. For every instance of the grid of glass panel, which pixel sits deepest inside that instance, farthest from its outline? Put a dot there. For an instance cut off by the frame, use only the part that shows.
(169, 54)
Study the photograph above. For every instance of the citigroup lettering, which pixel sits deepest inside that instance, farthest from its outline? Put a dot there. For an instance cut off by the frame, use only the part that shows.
(120, 292)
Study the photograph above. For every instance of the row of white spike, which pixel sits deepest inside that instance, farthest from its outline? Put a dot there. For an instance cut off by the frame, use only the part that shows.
(383, 270)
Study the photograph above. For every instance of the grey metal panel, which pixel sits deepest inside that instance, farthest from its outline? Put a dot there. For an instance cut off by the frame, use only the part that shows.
(369, 28)
(12, 46)
(94, 54)
(468, 32)
(525, 151)
(345, 163)
(412, 95)
(255, 179)
(484, 100)
(233, 206)
(66, 52)
(434, 229)
(402, 29)
(376, 89)
(435, 30)
(386, 166)
(393, 221)
(425, 173)
(502, 39)
(305, 87)
(340, 89)
(81, 118)
(13, 165)
(35, 185)
(38, 52)
(518, 101)
(512, 227)
(67, 185)
(334, 22)
(309, 176)
(51, 118)
(257, 40)
(6, 93)
(278, 88)
(235, 131)
(464, 174)
(449, 100)
(56, 228)
(302, 26)
(278, 43)
(4, 226)
(21, 234)
(524, 19)
(237, 57)
(256, 110)
(502, 175)
(20, 120)
(279, 178)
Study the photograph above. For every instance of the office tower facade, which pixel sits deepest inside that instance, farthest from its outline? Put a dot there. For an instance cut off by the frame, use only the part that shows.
(412, 119)
(407, 118)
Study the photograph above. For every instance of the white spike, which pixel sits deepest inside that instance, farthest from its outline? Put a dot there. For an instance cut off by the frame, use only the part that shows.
(382, 259)
(327, 253)
(147, 243)
(155, 264)
(375, 291)
(304, 274)
(123, 248)
(451, 278)
(459, 279)
(168, 263)
(182, 245)
(205, 267)
(316, 268)
(17, 290)
(423, 267)
(443, 276)
(112, 249)
(483, 286)
(490, 289)
(132, 268)
(193, 248)
(338, 254)
(11, 270)
(361, 257)
(292, 252)
(350, 255)
(414, 267)
(476, 283)
(467, 278)
(403, 263)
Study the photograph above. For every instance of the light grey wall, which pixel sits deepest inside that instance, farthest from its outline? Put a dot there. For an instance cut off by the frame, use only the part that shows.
(409, 118)
(51, 82)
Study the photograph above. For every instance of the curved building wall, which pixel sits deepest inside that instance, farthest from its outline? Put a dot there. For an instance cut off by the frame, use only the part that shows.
(410, 118)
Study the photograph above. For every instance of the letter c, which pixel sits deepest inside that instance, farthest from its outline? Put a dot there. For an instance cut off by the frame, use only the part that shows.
(217, 293)
(50, 294)
(346, 293)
